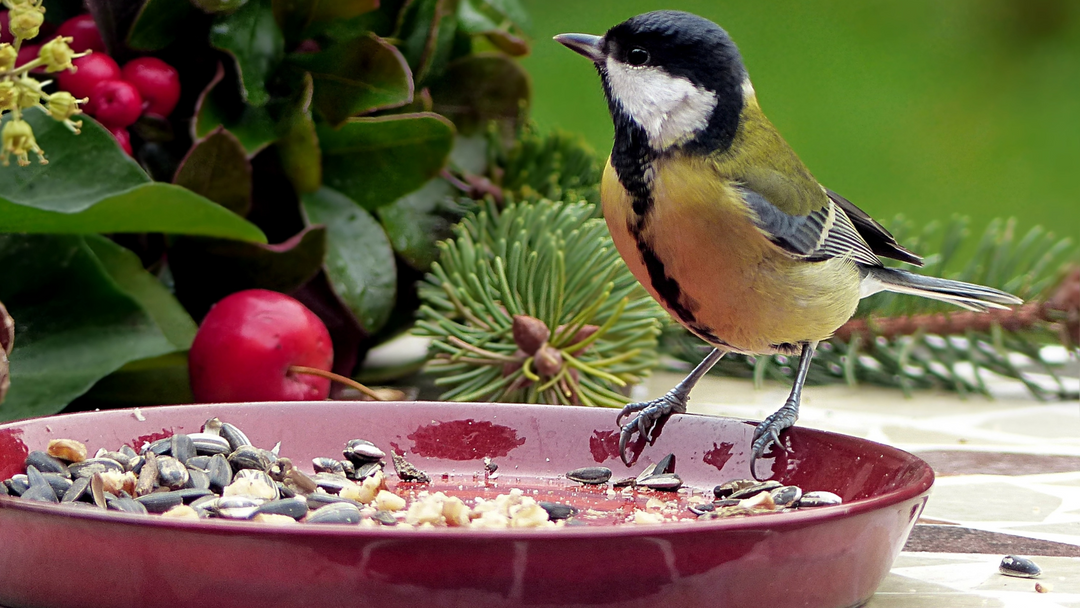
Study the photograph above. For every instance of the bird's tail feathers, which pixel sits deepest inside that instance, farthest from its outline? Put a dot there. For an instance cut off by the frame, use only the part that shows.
(966, 295)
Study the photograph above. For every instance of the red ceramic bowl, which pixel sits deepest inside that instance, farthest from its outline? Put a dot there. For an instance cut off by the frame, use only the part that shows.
(831, 557)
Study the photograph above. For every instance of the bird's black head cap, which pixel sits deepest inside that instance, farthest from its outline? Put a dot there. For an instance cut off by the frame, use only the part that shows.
(687, 46)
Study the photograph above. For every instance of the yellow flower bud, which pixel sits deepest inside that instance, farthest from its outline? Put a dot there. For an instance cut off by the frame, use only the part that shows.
(57, 55)
(62, 106)
(25, 21)
(8, 54)
(9, 96)
(29, 92)
(18, 139)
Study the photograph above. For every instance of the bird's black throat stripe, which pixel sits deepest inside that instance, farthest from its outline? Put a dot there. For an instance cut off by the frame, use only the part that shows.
(633, 158)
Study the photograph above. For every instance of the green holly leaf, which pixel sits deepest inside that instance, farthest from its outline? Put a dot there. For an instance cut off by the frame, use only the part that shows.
(219, 106)
(375, 161)
(255, 42)
(217, 168)
(359, 259)
(74, 322)
(158, 24)
(358, 76)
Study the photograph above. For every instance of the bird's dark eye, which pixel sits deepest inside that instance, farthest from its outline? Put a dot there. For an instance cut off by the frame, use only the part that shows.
(637, 56)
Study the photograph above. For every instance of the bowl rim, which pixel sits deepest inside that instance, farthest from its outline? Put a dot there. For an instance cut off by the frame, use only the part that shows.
(764, 521)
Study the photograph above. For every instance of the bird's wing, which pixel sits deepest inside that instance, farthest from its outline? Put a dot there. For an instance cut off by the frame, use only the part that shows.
(876, 236)
(821, 234)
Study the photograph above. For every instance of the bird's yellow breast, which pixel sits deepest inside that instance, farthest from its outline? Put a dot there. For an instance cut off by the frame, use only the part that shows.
(698, 252)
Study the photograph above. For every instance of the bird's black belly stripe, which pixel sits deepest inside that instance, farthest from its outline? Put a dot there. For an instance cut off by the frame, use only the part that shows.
(632, 159)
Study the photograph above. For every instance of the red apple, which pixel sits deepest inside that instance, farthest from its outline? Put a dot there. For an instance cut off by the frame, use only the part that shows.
(248, 342)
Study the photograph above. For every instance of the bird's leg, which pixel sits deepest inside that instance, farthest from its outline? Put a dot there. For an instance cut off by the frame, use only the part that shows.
(768, 432)
(674, 402)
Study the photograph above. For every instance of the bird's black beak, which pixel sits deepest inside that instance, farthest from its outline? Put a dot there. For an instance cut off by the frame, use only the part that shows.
(585, 44)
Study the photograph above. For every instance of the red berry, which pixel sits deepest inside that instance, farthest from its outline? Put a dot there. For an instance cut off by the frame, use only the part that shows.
(123, 138)
(89, 71)
(115, 103)
(84, 32)
(157, 81)
(247, 343)
(27, 53)
(5, 29)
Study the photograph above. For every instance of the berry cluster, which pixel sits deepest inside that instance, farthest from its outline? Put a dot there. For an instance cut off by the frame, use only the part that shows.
(118, 97)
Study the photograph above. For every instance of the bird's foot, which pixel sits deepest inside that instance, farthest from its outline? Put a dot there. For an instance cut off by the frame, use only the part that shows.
(768, 432)
(651, 415)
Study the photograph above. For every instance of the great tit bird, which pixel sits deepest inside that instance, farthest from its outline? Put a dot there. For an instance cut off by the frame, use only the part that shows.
(719, 219)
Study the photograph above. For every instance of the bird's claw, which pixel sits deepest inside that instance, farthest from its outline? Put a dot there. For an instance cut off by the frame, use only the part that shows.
(768, 432)
(650, 414)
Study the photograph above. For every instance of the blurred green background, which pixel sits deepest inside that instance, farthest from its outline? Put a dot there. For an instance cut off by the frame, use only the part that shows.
(927, 107)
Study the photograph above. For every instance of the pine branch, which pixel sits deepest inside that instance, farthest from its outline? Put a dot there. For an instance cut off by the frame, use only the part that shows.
(912, 343)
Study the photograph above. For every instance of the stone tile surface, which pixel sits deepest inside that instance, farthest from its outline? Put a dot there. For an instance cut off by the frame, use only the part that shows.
(1008, 481)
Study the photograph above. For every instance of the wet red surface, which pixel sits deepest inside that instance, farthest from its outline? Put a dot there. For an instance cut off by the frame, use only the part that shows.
(604, 445)
(828, 557)
(719, 455)
(12, 452)
(464, 440)
(138, 442)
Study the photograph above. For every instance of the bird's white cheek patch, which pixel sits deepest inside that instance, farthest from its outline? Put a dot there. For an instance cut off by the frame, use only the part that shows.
(669, 108)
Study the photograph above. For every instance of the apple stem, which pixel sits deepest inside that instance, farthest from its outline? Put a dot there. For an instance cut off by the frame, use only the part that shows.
(314, 371)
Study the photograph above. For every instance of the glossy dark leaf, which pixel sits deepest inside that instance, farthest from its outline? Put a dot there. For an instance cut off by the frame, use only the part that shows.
(256, 43)
(125, 268)
(358, 76)
(502, 21)
(206, 270)
(219, 6)
(74, 323)
(217, 168)
(427, 35)
(156, 381)
(359, 259)
(483, 16)
(481, 88)
(417, 221)
(345, 331)
(158, 24)
(375, 161)
(296, 16)
(220, 106)
(298, 148)
(114, 19)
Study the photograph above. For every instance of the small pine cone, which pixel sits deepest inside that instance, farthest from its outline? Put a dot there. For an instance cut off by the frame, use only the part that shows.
(530, 333)
(548, 361)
